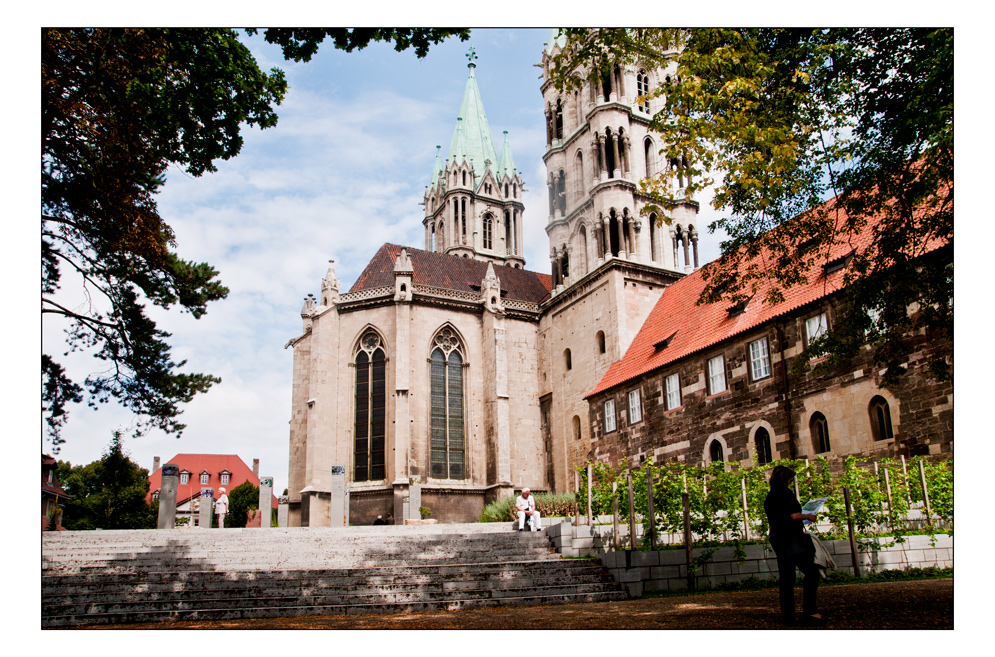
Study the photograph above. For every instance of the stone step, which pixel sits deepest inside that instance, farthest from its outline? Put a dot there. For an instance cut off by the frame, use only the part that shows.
(153, 576)
(227, 613)
(445, 570)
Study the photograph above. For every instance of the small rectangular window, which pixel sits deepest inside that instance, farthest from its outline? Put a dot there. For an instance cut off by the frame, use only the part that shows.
(673, 388)
(609, 415)
(815, 327)
(635, 407)
(184, 479)
(716, 375)
(759, 359)
(205, 479)
(225, 479)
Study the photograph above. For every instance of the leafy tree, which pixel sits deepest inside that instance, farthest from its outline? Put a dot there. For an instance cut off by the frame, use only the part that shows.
(243, 497)
(108, 493)
(118, 107)
(775, 121)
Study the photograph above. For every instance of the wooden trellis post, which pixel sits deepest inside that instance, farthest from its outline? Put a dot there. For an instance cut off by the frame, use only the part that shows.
(650, 509)
(746, 514)
(849, 525)
(632, 512)
(688, 554)
(618, 545)
(590, 476)
(925, 493)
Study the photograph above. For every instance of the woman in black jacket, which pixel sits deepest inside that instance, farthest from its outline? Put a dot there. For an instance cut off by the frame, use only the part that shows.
(792, 546)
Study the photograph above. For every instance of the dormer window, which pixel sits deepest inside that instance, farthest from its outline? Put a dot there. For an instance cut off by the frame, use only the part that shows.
(739, 308)
(184, 478)
(663, 344)
(205, 478)
(225, 477)
(837, 264)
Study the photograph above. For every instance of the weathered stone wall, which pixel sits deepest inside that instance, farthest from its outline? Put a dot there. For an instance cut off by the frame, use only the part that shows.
(921, 408)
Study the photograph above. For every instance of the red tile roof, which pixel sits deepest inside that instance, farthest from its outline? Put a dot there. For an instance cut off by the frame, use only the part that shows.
(695, 328)
(214, 464)
(452, 272)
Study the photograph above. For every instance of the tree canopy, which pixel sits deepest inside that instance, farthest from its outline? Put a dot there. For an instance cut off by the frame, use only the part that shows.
(775, 121)
(119, 106)
(108, 493)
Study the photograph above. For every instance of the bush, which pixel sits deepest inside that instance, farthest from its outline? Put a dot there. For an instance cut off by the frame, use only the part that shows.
(503, 510)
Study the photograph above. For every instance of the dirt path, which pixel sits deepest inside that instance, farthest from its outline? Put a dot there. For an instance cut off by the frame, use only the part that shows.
(927, 604)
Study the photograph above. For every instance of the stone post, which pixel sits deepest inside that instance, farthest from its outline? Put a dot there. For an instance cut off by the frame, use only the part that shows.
(632, 512)
(338, 512)
(283, 512)
(265, 502)
(414, 502)
(167, 496)
(206, 507)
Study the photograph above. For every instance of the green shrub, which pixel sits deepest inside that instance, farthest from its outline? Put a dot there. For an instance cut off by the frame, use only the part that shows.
(503, 510)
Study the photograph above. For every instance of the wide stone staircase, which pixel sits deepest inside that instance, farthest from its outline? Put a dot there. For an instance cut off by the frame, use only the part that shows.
(136, 576)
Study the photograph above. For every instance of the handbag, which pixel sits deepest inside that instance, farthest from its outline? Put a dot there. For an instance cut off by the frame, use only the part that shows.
(823, 559)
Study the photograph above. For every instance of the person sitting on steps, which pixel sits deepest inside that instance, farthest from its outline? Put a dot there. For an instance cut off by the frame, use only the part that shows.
(525, 504)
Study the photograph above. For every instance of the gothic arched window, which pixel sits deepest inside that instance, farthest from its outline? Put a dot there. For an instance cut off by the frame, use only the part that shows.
(488, 231)
(371, 409)
(643, 88)
(880, 419)
(761, 440)
(820, 433)
(448, 441)
(715, 452)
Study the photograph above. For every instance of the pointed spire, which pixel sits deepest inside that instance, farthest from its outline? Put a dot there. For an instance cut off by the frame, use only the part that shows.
(507, 163)
(472, 137)
(437, 170)
(330, 281)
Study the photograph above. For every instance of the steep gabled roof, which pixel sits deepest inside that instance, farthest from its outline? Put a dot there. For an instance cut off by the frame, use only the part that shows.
(677, 328)
(452, 273)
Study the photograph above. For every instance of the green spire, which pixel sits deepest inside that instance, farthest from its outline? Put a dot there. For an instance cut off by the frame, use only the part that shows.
(507, 164)
(472, 136)
(437, 169)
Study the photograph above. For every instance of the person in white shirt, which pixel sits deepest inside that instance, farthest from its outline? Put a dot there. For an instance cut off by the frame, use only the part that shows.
(525, 504)
(221, 508)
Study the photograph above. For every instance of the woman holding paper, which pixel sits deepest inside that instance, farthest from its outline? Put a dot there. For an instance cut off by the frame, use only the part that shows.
(793, 547)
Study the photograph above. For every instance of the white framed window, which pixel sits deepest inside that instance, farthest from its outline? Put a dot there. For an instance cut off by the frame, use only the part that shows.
(205, 479)
(609, 415)
(635, 407)
(716, 375)
(815, 327)
(225, 478)
(759, 359)
(672, 385)
(185, 478)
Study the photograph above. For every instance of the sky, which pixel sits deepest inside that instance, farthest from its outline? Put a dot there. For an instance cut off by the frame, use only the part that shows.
(342, 172)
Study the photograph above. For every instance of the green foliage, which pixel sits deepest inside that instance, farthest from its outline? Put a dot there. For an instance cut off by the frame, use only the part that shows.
(715, 495)
(243, 497)
(503, 510)
(119, 107)
(424, 512)
(108, 493)
(774, 121)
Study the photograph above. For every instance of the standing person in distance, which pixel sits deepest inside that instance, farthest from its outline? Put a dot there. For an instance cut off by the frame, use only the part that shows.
(793, 547)
(221, 508)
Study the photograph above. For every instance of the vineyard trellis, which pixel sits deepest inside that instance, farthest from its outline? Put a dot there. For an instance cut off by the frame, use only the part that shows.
(882, 495)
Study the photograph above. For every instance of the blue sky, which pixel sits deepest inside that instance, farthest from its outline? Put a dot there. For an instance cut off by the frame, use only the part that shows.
(343, 172)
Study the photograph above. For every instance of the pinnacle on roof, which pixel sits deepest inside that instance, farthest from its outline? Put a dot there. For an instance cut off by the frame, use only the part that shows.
(507, 163)
(438, 168)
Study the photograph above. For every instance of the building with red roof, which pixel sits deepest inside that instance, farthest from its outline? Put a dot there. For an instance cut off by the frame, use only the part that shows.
(198, 471)
(710, 382)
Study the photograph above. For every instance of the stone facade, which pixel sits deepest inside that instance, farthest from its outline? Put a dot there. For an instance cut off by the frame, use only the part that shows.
(782, 404)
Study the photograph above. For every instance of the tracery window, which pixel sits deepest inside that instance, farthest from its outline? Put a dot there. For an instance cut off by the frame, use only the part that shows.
(448, 433)
(881, 427)
(642, 89)
(371, 409)
(761, 440)
(820, 433)
(488, 231)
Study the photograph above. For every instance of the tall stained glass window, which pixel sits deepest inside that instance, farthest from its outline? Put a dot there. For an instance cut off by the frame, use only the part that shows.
(371, 409)
(448, 441)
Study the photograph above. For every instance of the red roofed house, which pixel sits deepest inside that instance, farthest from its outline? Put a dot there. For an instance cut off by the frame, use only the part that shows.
(710, 382)
(199, 471)
(52, 492)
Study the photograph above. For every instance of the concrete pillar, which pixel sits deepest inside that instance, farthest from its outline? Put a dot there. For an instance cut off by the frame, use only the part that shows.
(414, 501)
(206, 507)
(283, 511)
(265, 501)
(167, 496)
(339, 510)
(255, 467)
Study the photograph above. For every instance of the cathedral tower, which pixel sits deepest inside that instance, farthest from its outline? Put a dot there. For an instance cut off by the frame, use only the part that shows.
(598, 148)
(473, 202)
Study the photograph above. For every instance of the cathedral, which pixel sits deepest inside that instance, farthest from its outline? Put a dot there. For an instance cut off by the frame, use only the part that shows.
(455, 370)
